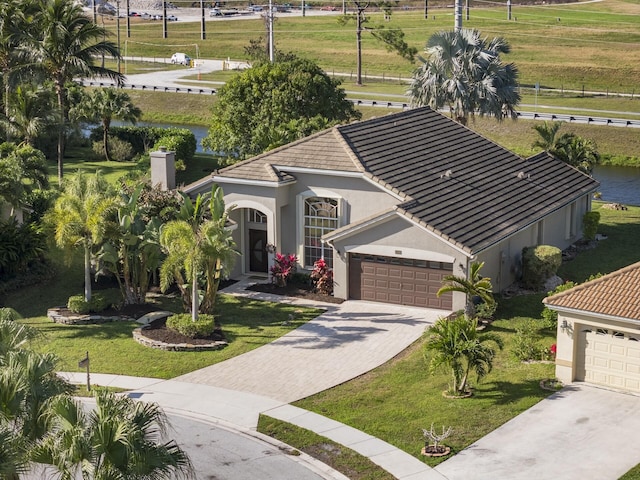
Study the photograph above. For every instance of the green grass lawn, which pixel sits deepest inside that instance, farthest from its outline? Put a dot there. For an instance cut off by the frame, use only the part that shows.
(395, 401)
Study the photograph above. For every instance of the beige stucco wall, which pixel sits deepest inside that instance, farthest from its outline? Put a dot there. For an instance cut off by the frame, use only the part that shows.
(503, 261)
(567, 339)
(395, 237)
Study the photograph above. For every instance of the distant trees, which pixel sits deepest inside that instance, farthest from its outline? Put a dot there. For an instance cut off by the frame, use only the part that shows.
(103, 105)
(272, 104)
(465, 73)
(572, 149)
(64, 44)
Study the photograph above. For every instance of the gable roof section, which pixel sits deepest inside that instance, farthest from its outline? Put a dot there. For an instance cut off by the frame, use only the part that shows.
(322, 151)
(468, 189)
(616, 295)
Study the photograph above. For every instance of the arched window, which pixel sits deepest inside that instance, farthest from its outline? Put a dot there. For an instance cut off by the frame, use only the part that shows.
(320, 217)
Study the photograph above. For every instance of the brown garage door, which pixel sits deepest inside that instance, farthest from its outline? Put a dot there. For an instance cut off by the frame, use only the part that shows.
(398, 280)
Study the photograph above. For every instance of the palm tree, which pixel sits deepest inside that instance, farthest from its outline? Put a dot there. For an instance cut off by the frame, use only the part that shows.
(65, 46)
(198, 243)
(107, 103)
(475, 287)
(28, 114)
(457, 345)
(120, 438)
(578, 152)
(465, 73)
(80, 218)
(22, 170)
(548, 135)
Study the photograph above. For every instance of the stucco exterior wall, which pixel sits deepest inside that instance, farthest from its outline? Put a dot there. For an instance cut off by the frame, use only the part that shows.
(395, 237)
(567, 339)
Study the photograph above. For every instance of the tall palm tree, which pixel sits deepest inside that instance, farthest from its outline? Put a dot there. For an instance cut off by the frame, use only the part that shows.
(108, 103)
(81, 218)
(198, 243)
(120, 438)
(464, 72)
(13, 26)
(457, 345)
(66, 45)
(28, 114)
(547, 135)
(475, 287)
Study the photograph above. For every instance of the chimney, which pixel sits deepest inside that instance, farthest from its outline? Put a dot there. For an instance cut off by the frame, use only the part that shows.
(163, 169)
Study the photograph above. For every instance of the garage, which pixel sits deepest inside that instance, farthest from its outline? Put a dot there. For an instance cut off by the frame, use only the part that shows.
(399, 281)
(609, 358)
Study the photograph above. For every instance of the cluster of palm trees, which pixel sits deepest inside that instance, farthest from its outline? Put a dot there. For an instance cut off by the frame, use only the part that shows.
(133, 236)
(44, 46)
(578, 152)
(43, 429)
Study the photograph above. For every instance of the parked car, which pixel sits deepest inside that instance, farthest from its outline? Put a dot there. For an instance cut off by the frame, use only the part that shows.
(254, 8)
(329, 8)
(179, 58)
(215, 12)
(172, 18)
(134, 14)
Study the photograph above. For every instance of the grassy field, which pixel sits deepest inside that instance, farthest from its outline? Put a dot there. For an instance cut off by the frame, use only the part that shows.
(571, 46)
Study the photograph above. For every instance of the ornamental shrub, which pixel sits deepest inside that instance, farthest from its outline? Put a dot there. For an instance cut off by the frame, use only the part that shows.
(322, 277)
(119, 150)
(538, 264)
(526, 345)
(590, 223)
(77, 304)
(182, 323)
(283, 267)
(184, 145)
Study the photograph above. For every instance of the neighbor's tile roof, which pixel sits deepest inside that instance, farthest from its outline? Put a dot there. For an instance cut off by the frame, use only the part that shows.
(616, 294)
(463, 187)
(467, 188)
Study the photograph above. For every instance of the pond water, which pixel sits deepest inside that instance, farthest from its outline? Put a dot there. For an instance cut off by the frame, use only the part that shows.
(617, 184)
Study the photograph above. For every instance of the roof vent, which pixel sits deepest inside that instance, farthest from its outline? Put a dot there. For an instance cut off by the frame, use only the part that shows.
(522, 175)
(447, 174)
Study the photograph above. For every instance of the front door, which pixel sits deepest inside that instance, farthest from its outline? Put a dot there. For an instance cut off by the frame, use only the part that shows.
(258, 261)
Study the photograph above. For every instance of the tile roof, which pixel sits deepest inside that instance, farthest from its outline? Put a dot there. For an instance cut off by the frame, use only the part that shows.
(324, 151)
(616, 294)
(462, 185)
(465, 188)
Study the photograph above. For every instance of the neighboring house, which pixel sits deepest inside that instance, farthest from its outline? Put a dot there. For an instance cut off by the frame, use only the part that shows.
(395, 203)
(598, 331)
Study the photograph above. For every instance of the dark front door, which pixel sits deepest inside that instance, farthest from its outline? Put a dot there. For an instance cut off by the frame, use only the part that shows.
(258, 261)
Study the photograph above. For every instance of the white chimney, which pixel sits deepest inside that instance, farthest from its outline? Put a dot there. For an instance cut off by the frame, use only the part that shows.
(163, 169)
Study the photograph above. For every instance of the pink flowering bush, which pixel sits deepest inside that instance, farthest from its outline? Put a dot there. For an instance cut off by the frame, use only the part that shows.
(322, 277)
(283, 267)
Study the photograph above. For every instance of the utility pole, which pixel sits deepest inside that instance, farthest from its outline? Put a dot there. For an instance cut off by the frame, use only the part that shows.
(270, 20)
(202, 23)
(118, 30)
(164, 18)
(128, 21)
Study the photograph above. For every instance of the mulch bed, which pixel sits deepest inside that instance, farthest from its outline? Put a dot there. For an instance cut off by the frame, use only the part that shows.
(294, 290)
(157, 330)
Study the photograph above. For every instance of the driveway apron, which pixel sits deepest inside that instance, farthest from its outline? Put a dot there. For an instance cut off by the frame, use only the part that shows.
(579, 433)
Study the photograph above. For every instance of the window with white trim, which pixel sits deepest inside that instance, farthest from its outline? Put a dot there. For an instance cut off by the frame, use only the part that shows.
(320, 218)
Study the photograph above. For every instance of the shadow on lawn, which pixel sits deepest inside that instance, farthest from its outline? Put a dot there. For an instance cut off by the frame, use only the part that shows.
(505, 393)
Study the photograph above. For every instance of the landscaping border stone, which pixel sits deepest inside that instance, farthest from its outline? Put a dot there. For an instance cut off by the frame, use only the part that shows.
(139, 337)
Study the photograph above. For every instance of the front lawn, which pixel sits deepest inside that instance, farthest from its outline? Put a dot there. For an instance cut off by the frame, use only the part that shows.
(397, 400)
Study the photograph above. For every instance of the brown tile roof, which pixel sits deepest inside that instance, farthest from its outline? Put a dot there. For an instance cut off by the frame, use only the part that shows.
(616, 294)
(323, 151)
(458, 184)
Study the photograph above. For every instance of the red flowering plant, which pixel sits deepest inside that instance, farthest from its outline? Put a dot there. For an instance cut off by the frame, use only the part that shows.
(283, 267)
(552, 350)
(322, 277)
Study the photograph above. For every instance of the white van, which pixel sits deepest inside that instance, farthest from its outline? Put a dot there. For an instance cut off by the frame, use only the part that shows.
(180, 58)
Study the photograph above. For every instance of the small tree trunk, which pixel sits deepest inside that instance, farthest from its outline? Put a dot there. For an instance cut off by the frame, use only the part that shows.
(87, 273)
(194, 296)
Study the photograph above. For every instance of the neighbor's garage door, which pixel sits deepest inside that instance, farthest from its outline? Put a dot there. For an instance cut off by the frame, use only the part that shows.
(398, 280)
(610, 358)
